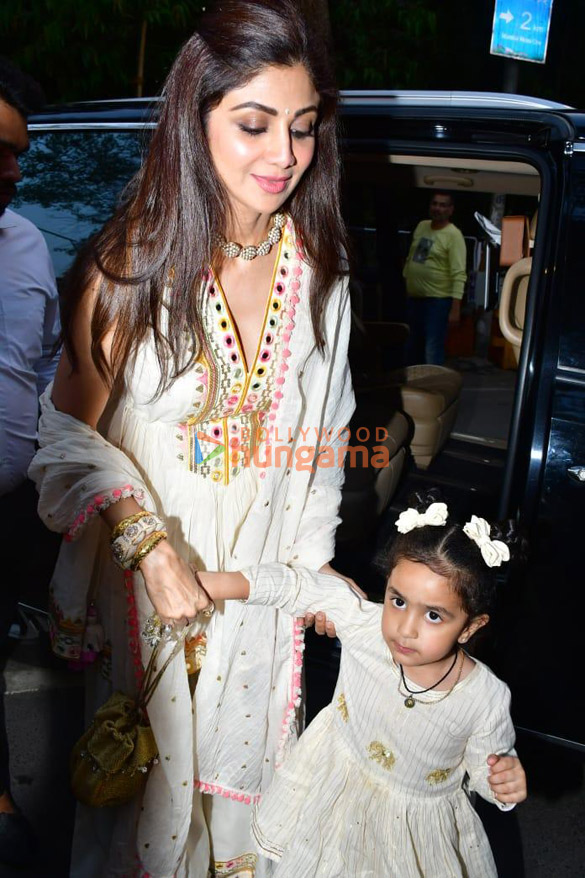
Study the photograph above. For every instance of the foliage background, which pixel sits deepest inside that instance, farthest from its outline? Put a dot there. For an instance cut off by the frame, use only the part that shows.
(83, 49)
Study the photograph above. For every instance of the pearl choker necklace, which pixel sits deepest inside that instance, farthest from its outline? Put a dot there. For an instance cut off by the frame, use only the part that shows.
(231, 249)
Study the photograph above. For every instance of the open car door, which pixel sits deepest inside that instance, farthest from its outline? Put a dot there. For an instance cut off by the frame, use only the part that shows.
(537, 645)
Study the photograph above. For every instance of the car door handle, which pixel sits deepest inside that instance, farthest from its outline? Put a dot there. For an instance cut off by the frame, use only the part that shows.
(577, 473)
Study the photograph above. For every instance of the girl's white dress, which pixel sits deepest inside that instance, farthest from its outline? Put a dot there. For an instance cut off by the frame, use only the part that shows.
(227, 456)
(374, 789)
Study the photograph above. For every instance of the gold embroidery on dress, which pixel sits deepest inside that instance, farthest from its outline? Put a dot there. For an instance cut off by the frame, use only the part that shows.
(382, 755)
(439, 775)
(342, 707)
(240, 867)
(195, 650)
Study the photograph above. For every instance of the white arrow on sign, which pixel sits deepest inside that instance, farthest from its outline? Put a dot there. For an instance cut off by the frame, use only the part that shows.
(507, 16)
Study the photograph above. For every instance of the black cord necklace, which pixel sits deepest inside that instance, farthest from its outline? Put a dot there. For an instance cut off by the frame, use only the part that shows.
(409, 701)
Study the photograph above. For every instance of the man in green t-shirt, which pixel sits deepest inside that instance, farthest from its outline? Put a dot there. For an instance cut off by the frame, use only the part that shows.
(435, 279)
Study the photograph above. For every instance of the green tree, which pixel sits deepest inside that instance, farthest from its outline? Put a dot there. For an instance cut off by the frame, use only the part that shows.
(83, 49)
(80, 49)
(384, 43)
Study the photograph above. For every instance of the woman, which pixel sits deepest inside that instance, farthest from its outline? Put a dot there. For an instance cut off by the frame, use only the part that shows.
(196, 379)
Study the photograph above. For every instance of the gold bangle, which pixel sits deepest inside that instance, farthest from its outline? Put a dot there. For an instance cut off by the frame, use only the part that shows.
(147, 546)
(119, 528)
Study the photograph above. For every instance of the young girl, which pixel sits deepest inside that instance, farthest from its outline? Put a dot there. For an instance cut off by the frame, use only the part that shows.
(377, 785)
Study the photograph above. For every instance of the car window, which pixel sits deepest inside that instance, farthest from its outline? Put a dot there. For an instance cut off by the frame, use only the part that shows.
(385, 196)
(72, 181)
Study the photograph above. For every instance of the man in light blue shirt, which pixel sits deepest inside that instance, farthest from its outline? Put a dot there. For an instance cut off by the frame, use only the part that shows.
(29, 329)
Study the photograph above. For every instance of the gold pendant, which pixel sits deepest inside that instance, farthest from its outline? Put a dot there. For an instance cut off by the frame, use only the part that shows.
(409, 702)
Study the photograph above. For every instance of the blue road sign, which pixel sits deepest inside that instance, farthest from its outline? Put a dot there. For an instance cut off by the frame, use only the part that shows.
(521, 28)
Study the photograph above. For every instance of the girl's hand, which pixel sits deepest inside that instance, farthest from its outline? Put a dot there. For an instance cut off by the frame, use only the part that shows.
(171, 586)
(507, 779)
(322, 625)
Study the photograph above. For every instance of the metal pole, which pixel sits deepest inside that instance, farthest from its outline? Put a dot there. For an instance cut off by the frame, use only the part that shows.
(141, 54)
(511, 76)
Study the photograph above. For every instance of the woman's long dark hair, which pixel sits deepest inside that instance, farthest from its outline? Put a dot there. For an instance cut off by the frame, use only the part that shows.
(176, 203)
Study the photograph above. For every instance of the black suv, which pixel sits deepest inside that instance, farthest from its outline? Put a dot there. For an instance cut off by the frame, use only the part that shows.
(520, 450)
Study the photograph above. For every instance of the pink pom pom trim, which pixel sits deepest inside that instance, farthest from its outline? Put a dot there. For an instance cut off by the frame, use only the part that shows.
(295, 690)
(101, 502)
(214, 789)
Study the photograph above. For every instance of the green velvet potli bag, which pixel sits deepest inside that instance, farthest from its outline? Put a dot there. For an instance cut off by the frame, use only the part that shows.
(110, 763)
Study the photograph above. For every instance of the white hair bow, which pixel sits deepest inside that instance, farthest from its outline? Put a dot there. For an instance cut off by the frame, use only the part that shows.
(493, 551)
(436, 515)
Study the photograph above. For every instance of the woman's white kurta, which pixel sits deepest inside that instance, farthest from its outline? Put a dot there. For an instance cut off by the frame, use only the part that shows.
(245, 715)
(374, 788)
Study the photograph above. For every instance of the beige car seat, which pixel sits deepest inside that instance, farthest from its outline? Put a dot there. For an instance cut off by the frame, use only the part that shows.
(512, 308)
(515, 248)
(368, 489)
(429, 395)
(386, 478)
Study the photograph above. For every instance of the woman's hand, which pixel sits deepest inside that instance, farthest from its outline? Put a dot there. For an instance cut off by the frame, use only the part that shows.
(322, 625)
(171, 585)
(507, 779)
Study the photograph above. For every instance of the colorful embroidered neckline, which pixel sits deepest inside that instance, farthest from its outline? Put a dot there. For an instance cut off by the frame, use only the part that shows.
(235, 400)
